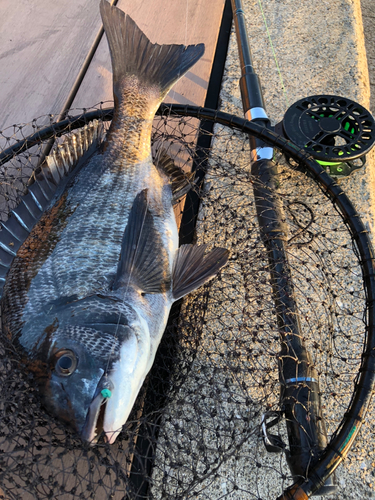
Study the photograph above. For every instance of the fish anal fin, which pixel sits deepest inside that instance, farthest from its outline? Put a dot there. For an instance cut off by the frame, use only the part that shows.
(144, 262)
(192, 268)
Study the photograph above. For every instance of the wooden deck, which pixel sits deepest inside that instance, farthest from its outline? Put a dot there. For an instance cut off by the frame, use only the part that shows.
(44, 46)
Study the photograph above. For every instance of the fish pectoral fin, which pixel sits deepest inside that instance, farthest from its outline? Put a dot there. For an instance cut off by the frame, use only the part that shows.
(192, 268)
(144, 260)
(181, 182)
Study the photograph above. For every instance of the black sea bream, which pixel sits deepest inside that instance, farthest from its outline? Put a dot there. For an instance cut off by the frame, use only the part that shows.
(95, 264)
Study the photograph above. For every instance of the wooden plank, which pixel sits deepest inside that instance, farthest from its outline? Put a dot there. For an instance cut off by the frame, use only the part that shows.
(43, 45)
(162, 21)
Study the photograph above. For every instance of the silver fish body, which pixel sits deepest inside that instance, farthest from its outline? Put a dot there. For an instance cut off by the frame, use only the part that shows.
(88, 293)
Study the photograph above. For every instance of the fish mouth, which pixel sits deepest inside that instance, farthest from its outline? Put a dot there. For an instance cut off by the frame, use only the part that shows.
(93, 426)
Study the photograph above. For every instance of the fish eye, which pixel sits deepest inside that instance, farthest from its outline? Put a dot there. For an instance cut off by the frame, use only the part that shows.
(66, 362)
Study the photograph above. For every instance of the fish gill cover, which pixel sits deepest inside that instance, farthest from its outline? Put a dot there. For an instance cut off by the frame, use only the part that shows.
(194, 431)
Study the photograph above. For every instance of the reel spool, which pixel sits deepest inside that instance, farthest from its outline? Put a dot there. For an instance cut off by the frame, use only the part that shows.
(336, 131)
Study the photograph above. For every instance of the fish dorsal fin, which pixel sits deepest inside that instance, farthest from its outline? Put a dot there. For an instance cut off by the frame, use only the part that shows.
(181, 182)
(192, 268)
(42, 187)
(143, 263)
(74, 150)
(133, 54)
(63, 159)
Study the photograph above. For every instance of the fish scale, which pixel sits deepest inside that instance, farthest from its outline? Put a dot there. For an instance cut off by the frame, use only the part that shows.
(83, 257)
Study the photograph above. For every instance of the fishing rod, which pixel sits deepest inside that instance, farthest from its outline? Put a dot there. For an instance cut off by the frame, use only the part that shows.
(300, 403)
(337, 133)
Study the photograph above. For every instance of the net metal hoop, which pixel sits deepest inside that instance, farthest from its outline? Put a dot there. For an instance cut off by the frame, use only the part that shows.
(345, 435)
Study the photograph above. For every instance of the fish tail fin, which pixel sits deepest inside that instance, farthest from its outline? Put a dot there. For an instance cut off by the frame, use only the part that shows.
(133, 54)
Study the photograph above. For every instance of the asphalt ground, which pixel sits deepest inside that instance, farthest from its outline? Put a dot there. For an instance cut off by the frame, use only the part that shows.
(320, 48)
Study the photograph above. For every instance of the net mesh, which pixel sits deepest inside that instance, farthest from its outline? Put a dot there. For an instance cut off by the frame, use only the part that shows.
(194, 431)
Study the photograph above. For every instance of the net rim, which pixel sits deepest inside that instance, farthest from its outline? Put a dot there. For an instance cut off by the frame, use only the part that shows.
(342, 440)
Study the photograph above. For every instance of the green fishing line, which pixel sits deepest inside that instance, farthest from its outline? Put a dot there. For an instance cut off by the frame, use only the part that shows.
(273, 52)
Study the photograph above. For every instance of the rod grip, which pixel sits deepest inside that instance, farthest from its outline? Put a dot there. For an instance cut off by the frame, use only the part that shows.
(268, 205)
(307, 434)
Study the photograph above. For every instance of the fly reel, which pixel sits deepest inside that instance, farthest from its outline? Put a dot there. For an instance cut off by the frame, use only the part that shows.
(336, 131)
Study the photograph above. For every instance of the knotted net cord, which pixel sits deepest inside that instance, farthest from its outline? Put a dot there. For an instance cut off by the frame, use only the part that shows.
(198, 414)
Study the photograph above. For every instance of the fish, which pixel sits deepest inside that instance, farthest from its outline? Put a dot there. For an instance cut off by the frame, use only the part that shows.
(90, 263)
